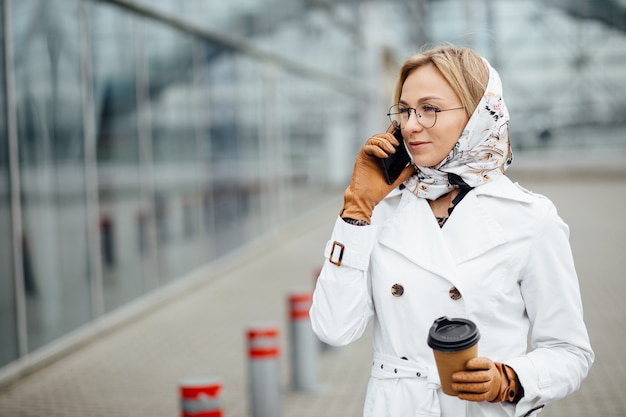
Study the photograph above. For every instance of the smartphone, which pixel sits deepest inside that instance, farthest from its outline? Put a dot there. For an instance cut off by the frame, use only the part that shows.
(395, 163)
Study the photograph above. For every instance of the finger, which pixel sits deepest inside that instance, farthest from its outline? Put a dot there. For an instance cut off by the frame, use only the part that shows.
(392, 126)
(477, 388)
(383, 142)
(473, 397)
(389, 134)
(471, 377)
(478, 364)
(389, 138)
(374, 150)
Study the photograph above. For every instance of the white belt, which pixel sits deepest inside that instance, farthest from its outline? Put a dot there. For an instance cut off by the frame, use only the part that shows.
(389, 367)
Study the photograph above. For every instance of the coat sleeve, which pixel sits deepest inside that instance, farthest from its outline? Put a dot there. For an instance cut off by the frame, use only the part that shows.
(342, 303)
(560, 352)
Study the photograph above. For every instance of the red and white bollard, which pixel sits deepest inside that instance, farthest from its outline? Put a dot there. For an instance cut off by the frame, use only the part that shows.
(264, 371)
(200, 397)
(303, 342)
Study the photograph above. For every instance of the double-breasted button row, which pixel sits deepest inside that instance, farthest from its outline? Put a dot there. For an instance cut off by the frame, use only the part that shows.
(397, 290)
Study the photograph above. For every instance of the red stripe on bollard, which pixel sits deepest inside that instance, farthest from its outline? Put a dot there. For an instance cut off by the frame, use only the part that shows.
(260, 353)
(193, 392)
(263, 332)
(263, 343)
(200, 397)
(217, 413)
(299, 315)
(299, 306)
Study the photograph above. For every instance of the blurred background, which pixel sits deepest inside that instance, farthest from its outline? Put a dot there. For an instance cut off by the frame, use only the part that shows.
(142, 140)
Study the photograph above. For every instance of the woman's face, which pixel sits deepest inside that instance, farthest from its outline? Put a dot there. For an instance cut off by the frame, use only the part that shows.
(425, 88)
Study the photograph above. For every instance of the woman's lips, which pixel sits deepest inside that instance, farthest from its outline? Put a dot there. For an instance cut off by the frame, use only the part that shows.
(417, 145)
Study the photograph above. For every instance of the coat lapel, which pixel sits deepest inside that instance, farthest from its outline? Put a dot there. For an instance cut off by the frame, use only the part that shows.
(471, 230)
(413, 232)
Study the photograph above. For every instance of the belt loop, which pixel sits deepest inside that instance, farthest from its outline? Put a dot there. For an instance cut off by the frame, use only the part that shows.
(433, 378)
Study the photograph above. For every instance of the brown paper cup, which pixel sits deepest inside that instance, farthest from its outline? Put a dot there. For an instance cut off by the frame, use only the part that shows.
(454, 342)
(451, 362)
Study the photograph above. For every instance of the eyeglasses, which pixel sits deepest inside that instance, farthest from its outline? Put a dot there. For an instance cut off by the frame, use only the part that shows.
(426, 115)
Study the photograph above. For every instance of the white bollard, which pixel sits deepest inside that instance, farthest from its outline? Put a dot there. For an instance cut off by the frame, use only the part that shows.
(264, 371)
(303, 342)
(200, 397)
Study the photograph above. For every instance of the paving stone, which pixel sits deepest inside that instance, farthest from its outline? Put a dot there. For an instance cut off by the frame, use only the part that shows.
(134, 370)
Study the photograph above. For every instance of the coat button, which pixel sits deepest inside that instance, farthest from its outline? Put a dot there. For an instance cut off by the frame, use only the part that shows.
(397, 290)
(455, 294)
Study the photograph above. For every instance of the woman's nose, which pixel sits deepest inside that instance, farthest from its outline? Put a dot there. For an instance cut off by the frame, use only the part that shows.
(412, 123)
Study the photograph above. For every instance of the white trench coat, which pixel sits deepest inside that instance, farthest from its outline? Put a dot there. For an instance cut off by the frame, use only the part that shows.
(502, 260)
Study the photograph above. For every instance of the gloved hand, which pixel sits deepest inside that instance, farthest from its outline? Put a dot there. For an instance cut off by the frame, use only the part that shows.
(368, 186)
(485, 380)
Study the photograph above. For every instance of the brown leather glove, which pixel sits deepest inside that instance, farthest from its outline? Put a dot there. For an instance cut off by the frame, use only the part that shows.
(485, 380)
(368, 186)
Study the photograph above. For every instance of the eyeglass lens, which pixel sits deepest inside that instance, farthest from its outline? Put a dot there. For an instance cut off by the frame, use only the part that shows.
(426, 116)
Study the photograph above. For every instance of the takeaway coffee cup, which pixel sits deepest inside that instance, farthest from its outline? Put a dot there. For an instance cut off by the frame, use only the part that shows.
(454, 342)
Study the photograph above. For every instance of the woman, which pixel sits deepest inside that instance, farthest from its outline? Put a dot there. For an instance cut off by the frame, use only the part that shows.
(453, 236)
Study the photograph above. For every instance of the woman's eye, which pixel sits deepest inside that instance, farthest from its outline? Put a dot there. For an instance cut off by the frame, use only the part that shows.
(427, 108)
(403, 110)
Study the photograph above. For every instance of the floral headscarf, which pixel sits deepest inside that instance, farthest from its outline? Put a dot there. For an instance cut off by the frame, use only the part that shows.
(481, 154)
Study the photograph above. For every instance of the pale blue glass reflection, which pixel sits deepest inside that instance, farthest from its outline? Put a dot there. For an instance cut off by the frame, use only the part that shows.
(8, 318)
(50, 128)
(126, 255)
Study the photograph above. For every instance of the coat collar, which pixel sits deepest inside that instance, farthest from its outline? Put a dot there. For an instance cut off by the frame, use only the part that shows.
(471, 231)
(505, 189)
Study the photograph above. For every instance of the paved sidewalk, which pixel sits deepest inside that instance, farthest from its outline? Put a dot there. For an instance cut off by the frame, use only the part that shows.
(134, 369)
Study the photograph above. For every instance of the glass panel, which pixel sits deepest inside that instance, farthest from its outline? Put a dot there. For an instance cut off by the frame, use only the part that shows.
(123, 212)
(178, 168)
(228, 197)
(8, 319)
(49, 111)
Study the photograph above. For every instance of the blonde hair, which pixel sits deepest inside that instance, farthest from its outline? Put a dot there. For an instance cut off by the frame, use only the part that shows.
(462, 68)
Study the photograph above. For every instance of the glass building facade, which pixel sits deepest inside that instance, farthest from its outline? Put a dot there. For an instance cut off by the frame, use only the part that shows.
(141, 140)
(137, 145)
